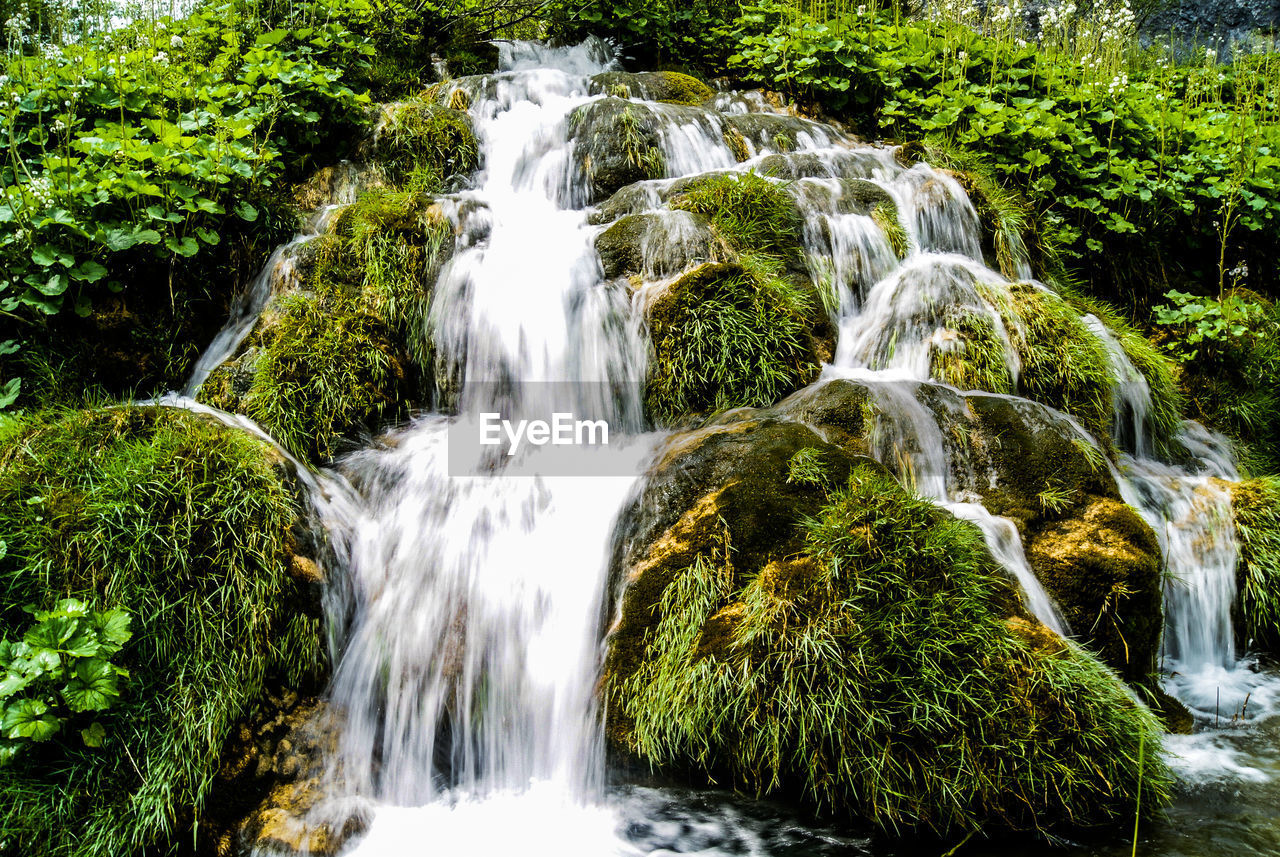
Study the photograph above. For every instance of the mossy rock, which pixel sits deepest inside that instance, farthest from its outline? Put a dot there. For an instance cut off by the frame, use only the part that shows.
(421, 136)
(192, 527)
(616, 143)
(833, 638)
(1102, 567)
(670, 87)
(772, 131)
(349, 352)
(725, 336)
(1256, 504)
(659, 244)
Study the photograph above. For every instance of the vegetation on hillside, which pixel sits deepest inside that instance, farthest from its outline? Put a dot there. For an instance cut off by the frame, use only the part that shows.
(184, 524)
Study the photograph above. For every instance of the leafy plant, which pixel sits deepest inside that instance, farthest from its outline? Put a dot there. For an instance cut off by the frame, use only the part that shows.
(1208, 322)
(59, 670)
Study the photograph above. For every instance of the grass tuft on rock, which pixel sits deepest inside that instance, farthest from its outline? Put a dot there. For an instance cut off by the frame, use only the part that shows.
(185, 524)
(727, 335)
(972, 357)
(874, 674)
(1063, 363)
(754, 213)
(426, 136)
(1256, 504)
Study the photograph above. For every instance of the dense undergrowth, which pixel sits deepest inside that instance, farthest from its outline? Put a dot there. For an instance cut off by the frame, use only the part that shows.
(186, 525)
(874, 673)
(1257, 508)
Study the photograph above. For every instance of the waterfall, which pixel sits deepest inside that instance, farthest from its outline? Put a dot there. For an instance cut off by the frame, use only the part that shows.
(466, 597)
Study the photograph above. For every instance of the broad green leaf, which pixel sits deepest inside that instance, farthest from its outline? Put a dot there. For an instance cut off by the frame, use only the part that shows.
(30, 719)
(93, 687)
(95, 735)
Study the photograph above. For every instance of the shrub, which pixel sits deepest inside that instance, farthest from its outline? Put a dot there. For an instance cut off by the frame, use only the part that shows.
(185, 524)
(874, 675)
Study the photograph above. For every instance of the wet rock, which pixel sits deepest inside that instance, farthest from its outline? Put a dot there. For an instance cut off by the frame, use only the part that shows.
(774, 132)
(666, 86)
(616, 143)
(270, 793)
(1102, 566)
(659, 244)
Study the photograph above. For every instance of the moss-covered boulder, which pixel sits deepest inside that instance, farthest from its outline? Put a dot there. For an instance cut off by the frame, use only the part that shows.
(794, 622)
(191, 527)
(346, 350)
(659, 244)
(726, 335)
(671, 87)
(419, 136)
(1256, 504)
(616, 143)
(1102, 566)
(1097, 558)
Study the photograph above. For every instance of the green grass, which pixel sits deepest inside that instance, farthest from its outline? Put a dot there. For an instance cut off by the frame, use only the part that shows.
(754, 213)
(727, 335)
(424, 136)
(1257, 510)
(185, 524)
(975, 359)
(343, 355)
(873, 674)
(1063, 363)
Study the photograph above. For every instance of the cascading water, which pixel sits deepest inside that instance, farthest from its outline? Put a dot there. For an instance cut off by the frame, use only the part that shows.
(468, 608)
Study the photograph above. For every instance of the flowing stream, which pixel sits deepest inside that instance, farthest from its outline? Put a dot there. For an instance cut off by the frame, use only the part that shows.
(467, 609)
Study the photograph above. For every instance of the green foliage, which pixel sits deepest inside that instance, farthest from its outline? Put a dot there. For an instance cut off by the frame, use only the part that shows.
(656, 32)
(873, 674)
(185, 524)
(1257, 513)
(1131, 165)
(426, 137)
(1207, 322)
(1231, 368)
(1256, 504)
(58, 670)
(726, 335)
(754, 213)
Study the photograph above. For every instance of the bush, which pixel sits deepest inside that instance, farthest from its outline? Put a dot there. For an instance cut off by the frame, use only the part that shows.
(185, 524)
(873, 674)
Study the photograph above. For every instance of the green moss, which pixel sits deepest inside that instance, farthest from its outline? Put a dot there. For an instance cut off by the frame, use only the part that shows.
(426, 136)
(973, 356)
(345, 354)
(670, 87)
(185, 524)
(726, 335)
(326, 366)
(1256, 504)
(1063, 363)
(885, 215)
(872, 673)
(754, 213)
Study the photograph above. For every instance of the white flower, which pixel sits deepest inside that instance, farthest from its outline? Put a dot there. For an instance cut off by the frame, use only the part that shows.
(175, 42)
